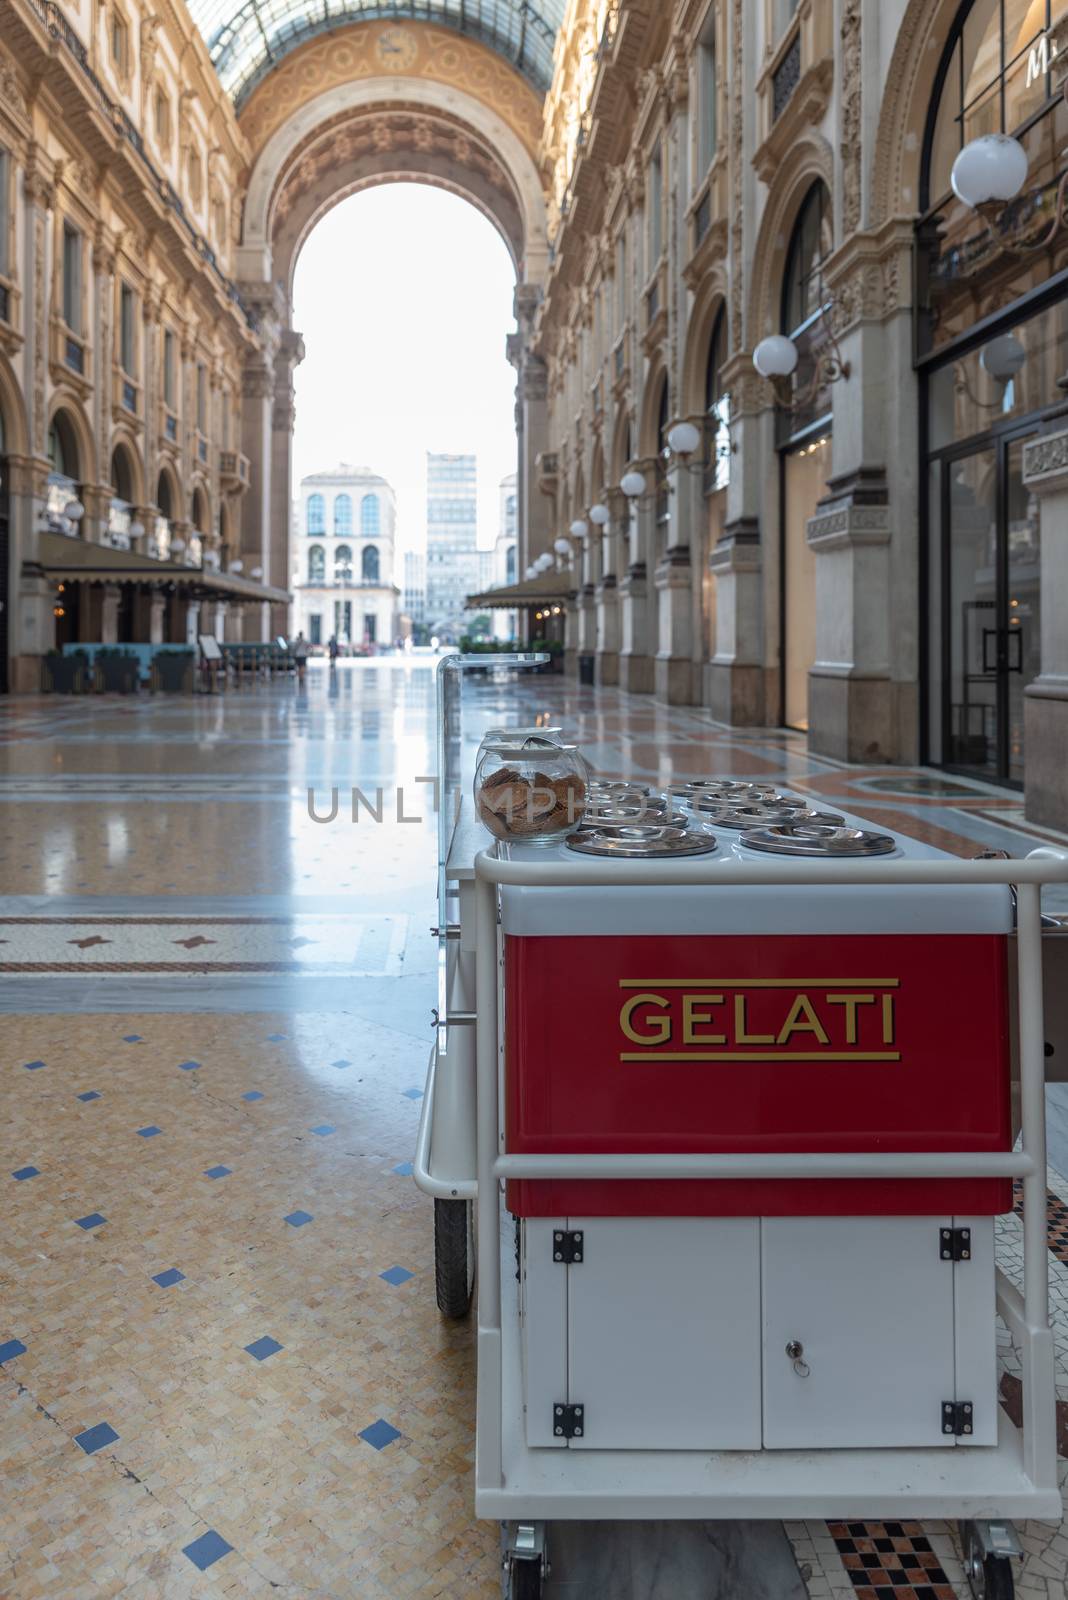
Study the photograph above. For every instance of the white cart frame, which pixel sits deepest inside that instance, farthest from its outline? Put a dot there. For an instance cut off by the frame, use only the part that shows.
(1015, 1478)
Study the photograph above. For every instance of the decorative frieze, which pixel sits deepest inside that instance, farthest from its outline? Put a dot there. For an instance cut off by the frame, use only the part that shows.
(1045, 464)
(854, 511)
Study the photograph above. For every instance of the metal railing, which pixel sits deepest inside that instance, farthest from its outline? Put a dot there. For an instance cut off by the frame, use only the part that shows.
(1026, 1315)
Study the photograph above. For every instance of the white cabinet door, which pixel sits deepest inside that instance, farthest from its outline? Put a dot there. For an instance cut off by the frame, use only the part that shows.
(870, 1301)
(664, 1333)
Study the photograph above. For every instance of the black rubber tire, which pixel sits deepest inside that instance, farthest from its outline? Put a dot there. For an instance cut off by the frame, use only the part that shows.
(454, 1256)
(525, 1581)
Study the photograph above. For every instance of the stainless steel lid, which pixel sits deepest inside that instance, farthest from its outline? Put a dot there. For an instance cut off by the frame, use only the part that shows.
(607, 821)
(642, 807)
(818, 839)
(742, 818)
(622, 786)
(730, 789)
(641, 843)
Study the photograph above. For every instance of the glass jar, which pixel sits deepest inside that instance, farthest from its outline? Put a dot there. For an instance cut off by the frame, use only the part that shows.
(532, 791)
(514, 736)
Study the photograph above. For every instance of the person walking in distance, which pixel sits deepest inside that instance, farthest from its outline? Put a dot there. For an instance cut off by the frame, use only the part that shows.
(300, 656)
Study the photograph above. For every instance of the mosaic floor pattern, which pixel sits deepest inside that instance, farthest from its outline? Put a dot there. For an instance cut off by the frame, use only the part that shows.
(221, 1366)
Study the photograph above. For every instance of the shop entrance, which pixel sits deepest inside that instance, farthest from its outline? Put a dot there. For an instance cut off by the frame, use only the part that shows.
(989, 560)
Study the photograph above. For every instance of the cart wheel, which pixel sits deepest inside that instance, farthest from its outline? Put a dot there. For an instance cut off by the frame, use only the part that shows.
(525, 1582)
(454, 1255)
(989, 1577)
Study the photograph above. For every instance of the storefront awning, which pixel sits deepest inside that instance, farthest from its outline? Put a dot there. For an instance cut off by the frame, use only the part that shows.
(74, 560)
(547, 589)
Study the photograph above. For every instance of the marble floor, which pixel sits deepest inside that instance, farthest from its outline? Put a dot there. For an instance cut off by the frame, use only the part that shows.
(221, 1364)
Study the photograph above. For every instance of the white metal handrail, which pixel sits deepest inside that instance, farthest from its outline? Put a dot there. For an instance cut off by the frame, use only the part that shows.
(1028, 1319)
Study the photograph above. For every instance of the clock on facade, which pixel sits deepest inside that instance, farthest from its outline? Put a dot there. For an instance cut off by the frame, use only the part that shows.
(396, 49)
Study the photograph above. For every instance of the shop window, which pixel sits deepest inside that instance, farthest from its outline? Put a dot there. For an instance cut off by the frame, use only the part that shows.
(72, 278)
(369, 564)
(370, 518)
(316, 564)
(315, 514)
(343, 514)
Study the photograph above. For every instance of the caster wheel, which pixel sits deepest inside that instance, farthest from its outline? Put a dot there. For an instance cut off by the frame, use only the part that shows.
(989, 1577)
(454, 1255)
(526, 1581)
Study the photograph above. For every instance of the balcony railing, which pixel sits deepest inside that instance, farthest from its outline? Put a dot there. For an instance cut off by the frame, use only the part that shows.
(786, 78)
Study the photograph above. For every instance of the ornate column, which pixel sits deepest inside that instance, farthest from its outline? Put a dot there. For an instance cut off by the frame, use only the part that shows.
(257, 440)
(533, 530)
(638, 617)
(31, 625)
(109, 613)
(851, 715)
(737, 673)
(1045, 474)
(276, 568)
(610, 541)
(38, 193)
(676, 678)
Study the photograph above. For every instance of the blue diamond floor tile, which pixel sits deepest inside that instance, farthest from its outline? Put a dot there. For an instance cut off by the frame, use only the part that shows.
(166, 1279)
(188, 1066)
(93, 1220)
(150, 1132)
(275, 1038)
(205, 1551)
(262, 1348)
(32, 1066)
(404, 1170)
(90, 1094)
(253, 1094)
(25, 1172)
(13, 1348)
(323, 1129)
(379, 1434)
(132, 1038)
(297, 1219)
(397, 1275)
(413, 1094)
(341, 1063)
(218, 1172)
(94, 1439)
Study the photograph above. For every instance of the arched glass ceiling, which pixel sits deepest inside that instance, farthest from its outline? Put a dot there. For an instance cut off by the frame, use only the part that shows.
(248, 37)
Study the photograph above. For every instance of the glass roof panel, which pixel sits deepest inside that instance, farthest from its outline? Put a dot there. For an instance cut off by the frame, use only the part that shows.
(248, 37)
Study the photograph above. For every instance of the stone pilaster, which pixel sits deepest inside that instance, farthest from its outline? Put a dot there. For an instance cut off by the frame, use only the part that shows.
(851, 702)
(736, 672)
(1045, 474)
(637, 596)
(533, 508)
(674, 665)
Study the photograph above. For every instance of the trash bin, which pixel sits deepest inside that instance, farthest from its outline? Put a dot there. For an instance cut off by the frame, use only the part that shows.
(586, 665)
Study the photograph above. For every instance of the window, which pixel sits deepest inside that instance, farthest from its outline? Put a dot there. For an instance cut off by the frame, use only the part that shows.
(163, 120)
(315, 628)
(196, 177)
(343, 514)
(370, 521)
(621, 278)
(369, 564)
(509, 564)
(706, 101)
(170, 387)
(810, 244)
(370, 627)
(127, 331)
(656, 206)
(316, 514)
(120, 44)
(1006, 61)
(72, 278)
(202, 397)
(224, 406)
(718, 407)
(219, 221)
(343, 564)
(785, 11)
(316, 564)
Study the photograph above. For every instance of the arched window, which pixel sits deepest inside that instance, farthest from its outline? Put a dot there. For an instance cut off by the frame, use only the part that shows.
(343, 564)
(1000, 69)
(164, 497)
(369, 563)
(63, 446)
(803, 289)
(121, 475)
(316, 564)
(343, 514)
(718, 407)
(200, 511)
(316, 514)
(370, 521)
(662, 418)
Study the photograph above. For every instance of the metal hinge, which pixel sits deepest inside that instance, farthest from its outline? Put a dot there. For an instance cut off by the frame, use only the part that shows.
(956, 1417)
(568, 1421)
(567, 1247)
(955, 1244)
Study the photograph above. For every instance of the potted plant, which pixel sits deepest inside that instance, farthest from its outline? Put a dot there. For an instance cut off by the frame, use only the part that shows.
(553, 648)
(116, 670)
(172, 671)
(64, 674)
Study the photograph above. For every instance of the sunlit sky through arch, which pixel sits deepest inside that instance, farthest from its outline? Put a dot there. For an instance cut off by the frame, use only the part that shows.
(404, 296)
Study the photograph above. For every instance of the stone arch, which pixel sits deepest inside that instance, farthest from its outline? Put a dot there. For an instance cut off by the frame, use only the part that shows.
(710, 302)
(169, 478)
(811, 158)
(910, 81)
(14, 429)
(200, 493)
(68, 410)
(650, 410)
(123, 442)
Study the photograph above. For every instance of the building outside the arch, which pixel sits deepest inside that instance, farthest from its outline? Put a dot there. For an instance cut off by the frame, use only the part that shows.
(856, 551)
(452, 554)
(344, 560)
